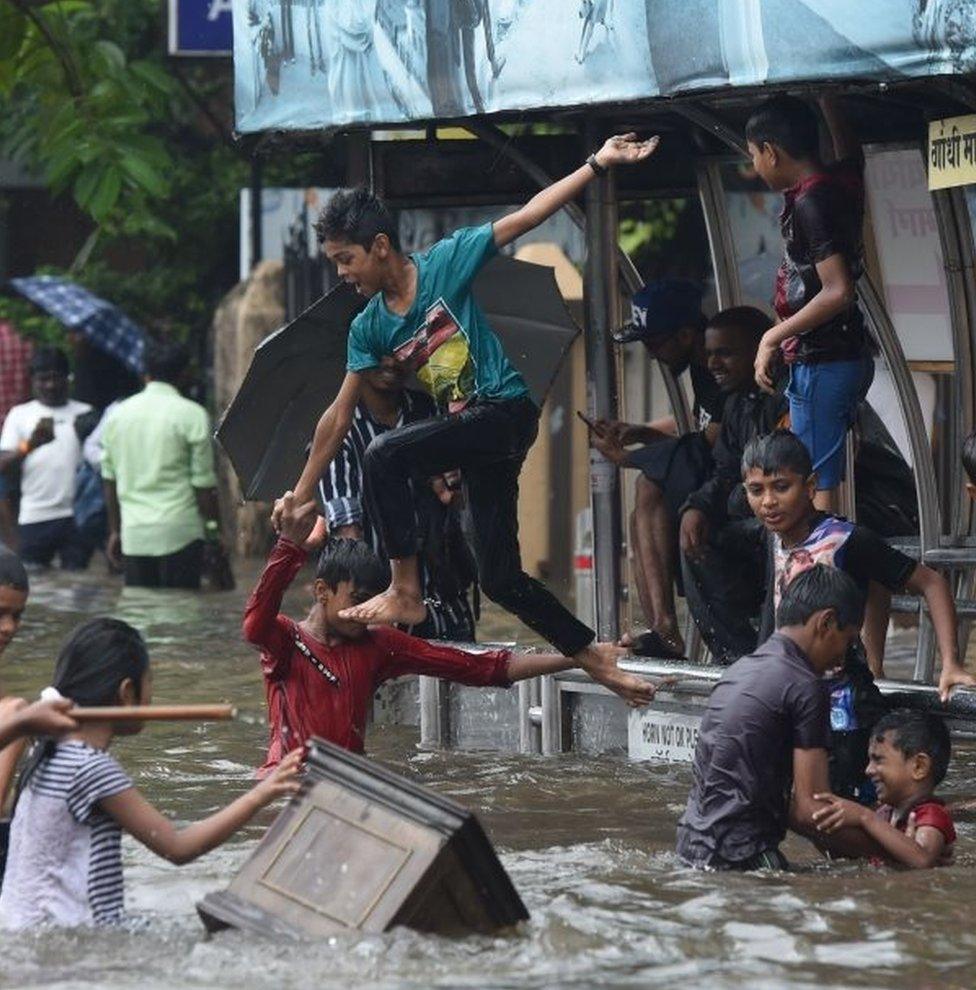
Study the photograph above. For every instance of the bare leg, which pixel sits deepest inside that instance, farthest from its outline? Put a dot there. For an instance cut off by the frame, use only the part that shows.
(825, 500)
(875, 628)
(402, 603)
(640, 575)
(654, 547)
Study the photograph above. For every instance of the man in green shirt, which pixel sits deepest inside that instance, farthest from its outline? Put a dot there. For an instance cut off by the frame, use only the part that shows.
(422, 314)
(158, 472)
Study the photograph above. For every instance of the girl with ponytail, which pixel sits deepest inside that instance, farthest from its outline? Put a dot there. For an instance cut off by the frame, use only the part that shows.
(64, 862)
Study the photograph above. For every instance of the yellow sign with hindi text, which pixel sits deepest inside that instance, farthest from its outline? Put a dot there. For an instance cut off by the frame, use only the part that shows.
(952, 152)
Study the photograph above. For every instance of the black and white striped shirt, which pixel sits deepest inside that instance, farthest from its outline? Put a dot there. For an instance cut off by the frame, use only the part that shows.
(64, 864)
(340, 493)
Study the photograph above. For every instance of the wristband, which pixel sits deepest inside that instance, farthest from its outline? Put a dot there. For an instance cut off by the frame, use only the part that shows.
(598, 169)
(24, 447)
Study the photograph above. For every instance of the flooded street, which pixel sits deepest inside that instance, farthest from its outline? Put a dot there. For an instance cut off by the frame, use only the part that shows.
(588, 844)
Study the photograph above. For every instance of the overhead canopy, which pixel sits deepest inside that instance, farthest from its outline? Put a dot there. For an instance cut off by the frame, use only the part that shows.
(314, 64)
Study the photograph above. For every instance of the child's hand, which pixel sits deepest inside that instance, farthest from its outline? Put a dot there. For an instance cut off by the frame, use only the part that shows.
(48, 718)
(839, 813)
(625, 149)
(953, 677)
(766, 357)
(283, 781)
(295, 522)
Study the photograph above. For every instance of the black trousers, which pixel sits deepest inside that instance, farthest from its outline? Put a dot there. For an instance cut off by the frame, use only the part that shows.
(181, 569)
(488, 441)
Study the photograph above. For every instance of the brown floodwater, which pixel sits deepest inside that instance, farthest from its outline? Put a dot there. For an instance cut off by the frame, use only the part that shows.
(588, 843)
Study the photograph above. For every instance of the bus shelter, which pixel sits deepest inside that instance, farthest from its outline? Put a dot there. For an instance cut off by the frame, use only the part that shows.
(376, 85)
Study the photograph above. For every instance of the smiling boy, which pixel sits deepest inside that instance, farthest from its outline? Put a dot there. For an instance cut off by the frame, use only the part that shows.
(908, 759)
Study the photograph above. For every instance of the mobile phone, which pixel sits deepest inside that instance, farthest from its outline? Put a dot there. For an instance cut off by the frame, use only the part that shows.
(586, 419)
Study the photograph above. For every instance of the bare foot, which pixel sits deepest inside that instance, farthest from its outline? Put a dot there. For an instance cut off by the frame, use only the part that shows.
(394, 606)
(599, 660)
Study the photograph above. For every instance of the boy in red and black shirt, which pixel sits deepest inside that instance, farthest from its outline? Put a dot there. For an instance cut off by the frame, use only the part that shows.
(821, 333)
(908, 759)
(320, 674)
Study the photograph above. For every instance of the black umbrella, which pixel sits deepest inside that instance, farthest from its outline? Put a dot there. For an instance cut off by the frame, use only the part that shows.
(296, 372)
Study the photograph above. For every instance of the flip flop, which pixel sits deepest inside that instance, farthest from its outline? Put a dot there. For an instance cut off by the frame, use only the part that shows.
(653, 644)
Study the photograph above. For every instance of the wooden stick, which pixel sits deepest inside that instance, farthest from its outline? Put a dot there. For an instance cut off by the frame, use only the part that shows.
(154, 713)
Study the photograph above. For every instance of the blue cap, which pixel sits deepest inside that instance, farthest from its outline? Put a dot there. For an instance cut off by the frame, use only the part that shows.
(660, 309)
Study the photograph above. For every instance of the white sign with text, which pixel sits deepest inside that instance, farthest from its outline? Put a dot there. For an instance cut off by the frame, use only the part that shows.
(662, 736)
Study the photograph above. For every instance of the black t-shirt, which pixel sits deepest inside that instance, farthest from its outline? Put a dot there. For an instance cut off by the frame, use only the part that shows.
(709, 398)
(822, 216)
(766, 705)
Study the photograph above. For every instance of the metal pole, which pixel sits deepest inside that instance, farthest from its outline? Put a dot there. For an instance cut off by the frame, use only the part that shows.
(600, 295)
(719, 229)
(257, 248)
(929, 526)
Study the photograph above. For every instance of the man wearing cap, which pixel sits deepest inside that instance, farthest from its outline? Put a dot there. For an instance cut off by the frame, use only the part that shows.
(668, 321)
(39, 436)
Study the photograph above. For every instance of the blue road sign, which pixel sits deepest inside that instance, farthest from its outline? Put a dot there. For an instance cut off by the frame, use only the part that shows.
(200, 27)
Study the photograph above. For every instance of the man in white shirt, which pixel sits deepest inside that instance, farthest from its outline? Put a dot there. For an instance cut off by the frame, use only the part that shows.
(39, 436)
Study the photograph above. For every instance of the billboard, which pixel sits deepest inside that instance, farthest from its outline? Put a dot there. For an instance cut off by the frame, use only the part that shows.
(313, 64)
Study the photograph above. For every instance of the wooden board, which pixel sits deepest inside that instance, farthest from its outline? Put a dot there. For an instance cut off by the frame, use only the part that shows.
(364, 849)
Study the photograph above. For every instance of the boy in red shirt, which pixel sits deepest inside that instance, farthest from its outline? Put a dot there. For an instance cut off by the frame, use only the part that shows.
(908, 759)
(320, 674)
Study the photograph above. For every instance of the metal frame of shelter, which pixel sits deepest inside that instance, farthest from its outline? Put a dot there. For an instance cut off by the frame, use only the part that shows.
(708, 129)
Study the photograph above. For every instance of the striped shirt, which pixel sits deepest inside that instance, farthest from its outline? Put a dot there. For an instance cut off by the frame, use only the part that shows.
(64, 864)
(341, 498)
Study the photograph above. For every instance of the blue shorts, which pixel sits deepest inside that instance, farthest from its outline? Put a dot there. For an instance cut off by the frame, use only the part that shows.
(823, 403)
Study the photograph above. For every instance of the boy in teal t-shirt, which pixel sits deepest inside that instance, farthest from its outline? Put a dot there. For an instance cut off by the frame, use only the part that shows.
(422, 314)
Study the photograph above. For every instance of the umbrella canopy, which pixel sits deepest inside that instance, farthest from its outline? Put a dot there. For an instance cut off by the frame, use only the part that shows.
(296, 372)
(104, 324)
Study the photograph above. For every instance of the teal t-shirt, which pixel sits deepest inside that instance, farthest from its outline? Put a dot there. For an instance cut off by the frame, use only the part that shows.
(445, 337)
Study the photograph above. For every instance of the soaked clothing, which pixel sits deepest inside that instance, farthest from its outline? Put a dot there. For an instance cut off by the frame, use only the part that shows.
(488, 441)
(931, 813)
(823, 215)
(314, 689)
(444, 337)
(64, 864)
(765, 706)
(446, 568)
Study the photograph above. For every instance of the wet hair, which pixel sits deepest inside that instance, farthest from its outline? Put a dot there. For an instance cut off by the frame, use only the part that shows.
(94, 661)
(352, 560)
(913, 732)
(748, 321)
(165, 360)
(778, 451)
(47, 359)
(357, 216)
(13, 574)
(818, 588)
(788, 123)
(969, 457)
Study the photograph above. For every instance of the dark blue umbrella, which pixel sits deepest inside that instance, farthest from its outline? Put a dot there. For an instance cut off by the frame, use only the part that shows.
(105, 325)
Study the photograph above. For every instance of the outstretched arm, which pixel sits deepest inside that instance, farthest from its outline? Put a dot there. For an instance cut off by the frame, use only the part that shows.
(621, 150)
(919, 853)
(182, 845)
(329, 433)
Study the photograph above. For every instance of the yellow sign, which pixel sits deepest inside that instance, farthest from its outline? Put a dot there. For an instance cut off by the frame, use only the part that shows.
(952, 152)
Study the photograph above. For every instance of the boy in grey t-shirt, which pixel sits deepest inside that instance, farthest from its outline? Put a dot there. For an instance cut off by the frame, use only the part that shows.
(767, 728)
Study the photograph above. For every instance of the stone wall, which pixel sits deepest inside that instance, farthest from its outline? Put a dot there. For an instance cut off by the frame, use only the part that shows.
(247, 314)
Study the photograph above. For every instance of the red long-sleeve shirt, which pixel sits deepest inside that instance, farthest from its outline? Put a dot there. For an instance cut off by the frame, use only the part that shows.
(303, 702)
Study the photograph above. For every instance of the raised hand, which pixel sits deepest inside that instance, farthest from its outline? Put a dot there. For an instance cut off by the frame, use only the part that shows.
(295, 522)
(626, 149)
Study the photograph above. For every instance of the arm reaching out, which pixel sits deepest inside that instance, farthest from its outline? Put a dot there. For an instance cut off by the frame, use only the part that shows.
(624, 149)
(921, 850)
(329, 433)
(182, 845)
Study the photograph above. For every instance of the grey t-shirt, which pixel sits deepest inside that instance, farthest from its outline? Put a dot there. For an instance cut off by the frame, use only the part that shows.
(766, 705)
